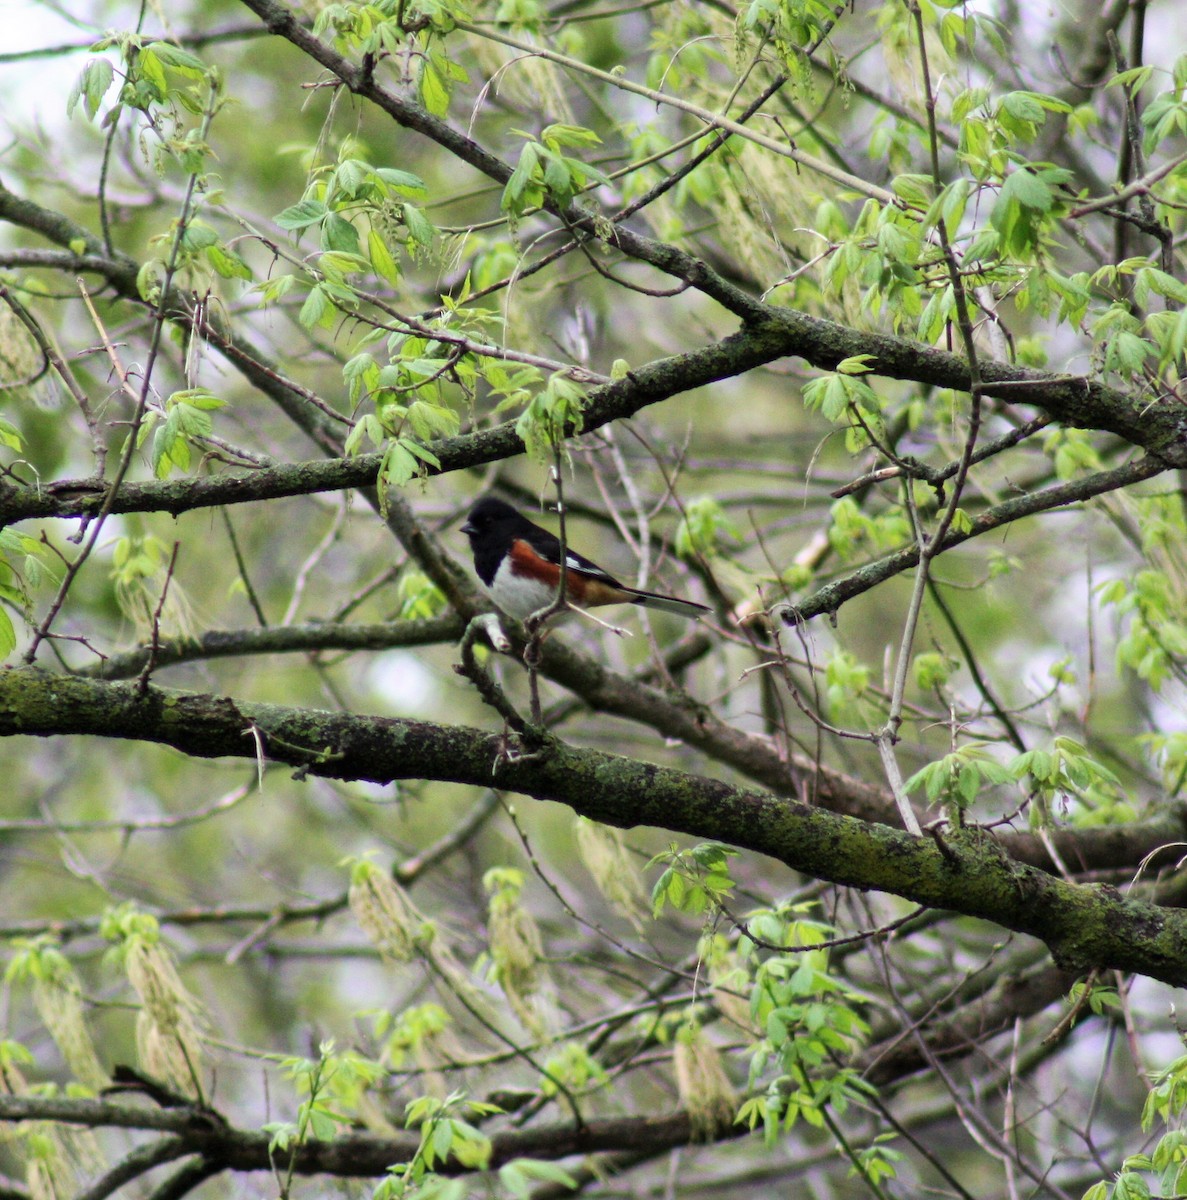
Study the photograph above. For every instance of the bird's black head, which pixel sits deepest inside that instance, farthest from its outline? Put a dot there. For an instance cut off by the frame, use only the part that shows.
(487, 514)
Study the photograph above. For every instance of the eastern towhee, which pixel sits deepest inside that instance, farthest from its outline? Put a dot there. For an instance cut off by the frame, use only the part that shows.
(519, 563)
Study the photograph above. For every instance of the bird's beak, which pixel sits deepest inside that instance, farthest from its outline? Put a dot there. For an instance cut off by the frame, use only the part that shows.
(468, 528)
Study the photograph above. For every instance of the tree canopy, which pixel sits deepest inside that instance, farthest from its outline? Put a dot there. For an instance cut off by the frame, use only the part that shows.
(862, 325)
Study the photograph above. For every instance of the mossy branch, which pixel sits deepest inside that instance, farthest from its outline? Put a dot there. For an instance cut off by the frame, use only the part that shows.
(1084, 925)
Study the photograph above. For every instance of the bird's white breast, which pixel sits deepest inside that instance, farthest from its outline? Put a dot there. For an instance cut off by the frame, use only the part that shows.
(517, 595)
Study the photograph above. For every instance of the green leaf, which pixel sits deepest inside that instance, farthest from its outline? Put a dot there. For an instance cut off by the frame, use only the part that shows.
(569, 135)
(317, 309)
(7, 634)
(1135, 78)
(10, 436)
(350, 177)
(402, 181)
(515, 1175)
(914, 189)
(434, 89)
(399, 465)
(420, 228)
(557, 177)
(1028, 190)
(227, 263)
(382, 261)
(421, 452)
(519, 192)
(149, 67)
(338, 234)
(300, 216)
(178, 59)
(91, 86)
(198, 398)
(148, 280)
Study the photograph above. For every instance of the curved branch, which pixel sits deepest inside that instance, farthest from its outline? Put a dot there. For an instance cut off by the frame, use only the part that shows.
(658, 380)
(140, 1161)
(356, 1154)
(360, 80)
(1089, 849)
(829, 598)
(1084, 926)
(288, 639)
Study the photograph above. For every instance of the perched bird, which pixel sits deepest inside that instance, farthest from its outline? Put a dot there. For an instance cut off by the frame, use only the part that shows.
(519, 563)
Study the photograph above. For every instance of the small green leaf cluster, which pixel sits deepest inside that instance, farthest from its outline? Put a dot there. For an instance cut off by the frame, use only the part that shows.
(22, 569)
(417, 596)
(1100, 999)
(1165, 117)
(933, 670)
(517, 1176)
(1154, 644)
(1167, 1160)
(704, 536)
(1067, 769)
(400, 430)
(877, 1161)
(444, 1135)
(852, 530)
(1118, 343)
(419, 369)
(551, 415)
(1064, 771)
(846, 399)
(339, 195)
(337, 200)
(705, 529)
(847, 680)
(695, 881)
(810, 1022)
(791, 26)
(965, 27)
(198, 250)
(331, 1085)
(881, 253)
(91, 86)
(1072, 452)
(200, 242)
(187, 420)
(413, 397)
(162, 81)
(958, 778)
(545, 172)
(138, 565)
(1028, 196)
(410, 1033)
(573, 1067)
(37, 959)
(1028, 193)
(411, 28)
(1124, 340)
(155, 73)
(1161, 522)
(125, 923)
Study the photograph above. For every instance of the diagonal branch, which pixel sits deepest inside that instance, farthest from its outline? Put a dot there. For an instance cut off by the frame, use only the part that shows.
(1084, 926)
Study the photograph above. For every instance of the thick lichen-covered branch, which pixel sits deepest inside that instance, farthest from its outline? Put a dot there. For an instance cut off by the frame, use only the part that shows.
(1084, 926)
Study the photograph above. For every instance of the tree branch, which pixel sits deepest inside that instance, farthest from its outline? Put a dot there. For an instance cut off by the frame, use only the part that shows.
(1084, 926)
(287, 639)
